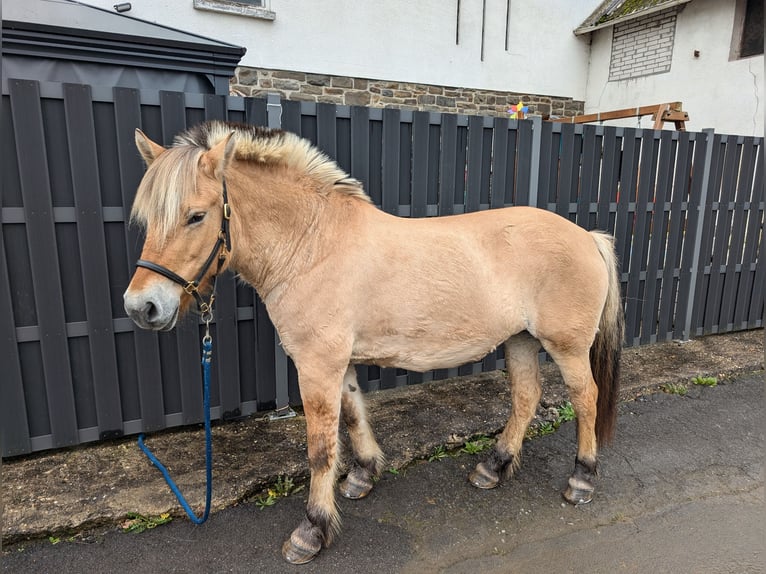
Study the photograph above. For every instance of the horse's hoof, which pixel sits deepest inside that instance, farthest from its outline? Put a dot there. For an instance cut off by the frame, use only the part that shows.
(575, 495)
(355, 486)
(482, 477)
(298, 552)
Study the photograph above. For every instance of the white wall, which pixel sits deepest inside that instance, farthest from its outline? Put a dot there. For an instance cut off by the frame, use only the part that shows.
(717, 93)
(403, 40)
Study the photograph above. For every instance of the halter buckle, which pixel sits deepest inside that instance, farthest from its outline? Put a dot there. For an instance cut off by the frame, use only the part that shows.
(226, 211)
(191, 287)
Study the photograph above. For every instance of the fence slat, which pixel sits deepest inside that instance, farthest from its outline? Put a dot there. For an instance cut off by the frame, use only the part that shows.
(624, 224)
(754, 225)
(448, 164)
(672, 259)
(127, 116)
(419, 187)
(499, 184)
(226, 346)
(745, 171)
(187, 335)
(475, 156)
(46, 274)
(81, 136)
(13, 412)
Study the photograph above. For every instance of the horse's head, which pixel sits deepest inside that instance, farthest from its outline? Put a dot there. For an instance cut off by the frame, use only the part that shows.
(181, 205)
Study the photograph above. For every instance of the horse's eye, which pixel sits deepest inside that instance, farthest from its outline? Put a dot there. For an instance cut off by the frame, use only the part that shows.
(195, 218)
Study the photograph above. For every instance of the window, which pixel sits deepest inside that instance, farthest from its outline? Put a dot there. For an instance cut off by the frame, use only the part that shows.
(250, 8)
(747, 38)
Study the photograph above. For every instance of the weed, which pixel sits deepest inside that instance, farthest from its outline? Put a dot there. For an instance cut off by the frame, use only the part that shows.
(137, 523)
(705, 381)
(394, 471)
(54, 540)
(566, 413)
(439, 453)
(478, 445)
(283, 487)
(546, 428)
(674, 389)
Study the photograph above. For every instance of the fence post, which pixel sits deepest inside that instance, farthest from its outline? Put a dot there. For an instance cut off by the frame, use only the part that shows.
(534, 163)
(274, 119)
(695, 270)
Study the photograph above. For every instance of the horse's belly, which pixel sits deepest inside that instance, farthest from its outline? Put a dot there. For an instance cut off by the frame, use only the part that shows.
(421, 356)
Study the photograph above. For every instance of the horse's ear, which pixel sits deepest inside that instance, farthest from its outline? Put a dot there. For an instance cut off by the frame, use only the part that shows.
(220, 155)
(147, 148)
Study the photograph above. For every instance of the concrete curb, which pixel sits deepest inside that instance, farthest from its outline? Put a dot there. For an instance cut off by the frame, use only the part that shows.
(97, 485)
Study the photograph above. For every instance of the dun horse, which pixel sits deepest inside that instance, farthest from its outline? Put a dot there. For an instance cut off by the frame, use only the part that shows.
(345, 283)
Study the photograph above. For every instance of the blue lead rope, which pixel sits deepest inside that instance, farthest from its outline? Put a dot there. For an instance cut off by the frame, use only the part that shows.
(207, 353)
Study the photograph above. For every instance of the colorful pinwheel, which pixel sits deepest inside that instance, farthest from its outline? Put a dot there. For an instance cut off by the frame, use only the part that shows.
(518, 111)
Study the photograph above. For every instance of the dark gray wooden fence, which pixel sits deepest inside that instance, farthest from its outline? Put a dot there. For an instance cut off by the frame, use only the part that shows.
(687, 210)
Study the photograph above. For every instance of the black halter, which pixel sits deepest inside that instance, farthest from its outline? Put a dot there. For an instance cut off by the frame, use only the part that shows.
(192, 287)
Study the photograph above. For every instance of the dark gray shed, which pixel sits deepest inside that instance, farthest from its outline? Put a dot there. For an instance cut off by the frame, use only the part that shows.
(66, 41)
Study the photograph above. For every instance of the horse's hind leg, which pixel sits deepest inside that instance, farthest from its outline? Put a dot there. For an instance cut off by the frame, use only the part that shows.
(523, 372)
(368, 458)
(583, 392)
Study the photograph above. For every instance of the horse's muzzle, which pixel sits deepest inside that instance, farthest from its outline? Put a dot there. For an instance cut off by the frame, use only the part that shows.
(152, 308)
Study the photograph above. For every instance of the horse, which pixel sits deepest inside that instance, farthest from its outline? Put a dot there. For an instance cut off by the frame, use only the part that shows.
(345, 283)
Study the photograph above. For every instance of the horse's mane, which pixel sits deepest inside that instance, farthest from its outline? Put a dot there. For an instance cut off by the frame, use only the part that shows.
(251, 143)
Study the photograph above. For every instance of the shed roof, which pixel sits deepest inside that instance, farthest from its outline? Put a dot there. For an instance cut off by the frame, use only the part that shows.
(611, 12)
(71, 31)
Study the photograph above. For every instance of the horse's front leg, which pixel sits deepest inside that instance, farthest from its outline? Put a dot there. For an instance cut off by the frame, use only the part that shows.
(368, 458)
(320, 392)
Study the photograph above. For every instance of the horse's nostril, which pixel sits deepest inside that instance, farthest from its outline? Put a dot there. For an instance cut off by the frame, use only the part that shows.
(151, 312)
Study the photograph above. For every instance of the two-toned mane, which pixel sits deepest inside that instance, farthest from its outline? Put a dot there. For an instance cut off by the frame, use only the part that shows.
(345, 283)
(163, 190)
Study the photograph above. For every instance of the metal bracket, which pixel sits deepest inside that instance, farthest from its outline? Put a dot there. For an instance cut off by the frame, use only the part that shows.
(282, 413)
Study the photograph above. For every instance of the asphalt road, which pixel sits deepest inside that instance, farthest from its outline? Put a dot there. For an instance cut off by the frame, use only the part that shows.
(680, 491)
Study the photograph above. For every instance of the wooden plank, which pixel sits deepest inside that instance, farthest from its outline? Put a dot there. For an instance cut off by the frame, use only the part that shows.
(620, 114)
(475, 155)
(676, 224)
(390, 175)
(81, 136)
(521, 145)
(419, 185)
(548, 174)
(226, 341)
(360, 144)
(14, 425)
(265, 365)
(390, 198)
(610, 170)
(588, 184)
(38, 211)
(732, 277)
(754, 224)
(657, 241)
(187, 333)
(568, 173)
(447, 164)
(706, 240)
(636, 287)
(725, 187)
(756, 314)
(499, 183)
(127, 117)
(326, 130)
(255, 112)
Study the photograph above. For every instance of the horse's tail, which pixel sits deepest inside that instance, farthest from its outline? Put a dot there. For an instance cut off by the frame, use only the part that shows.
(607, 347)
